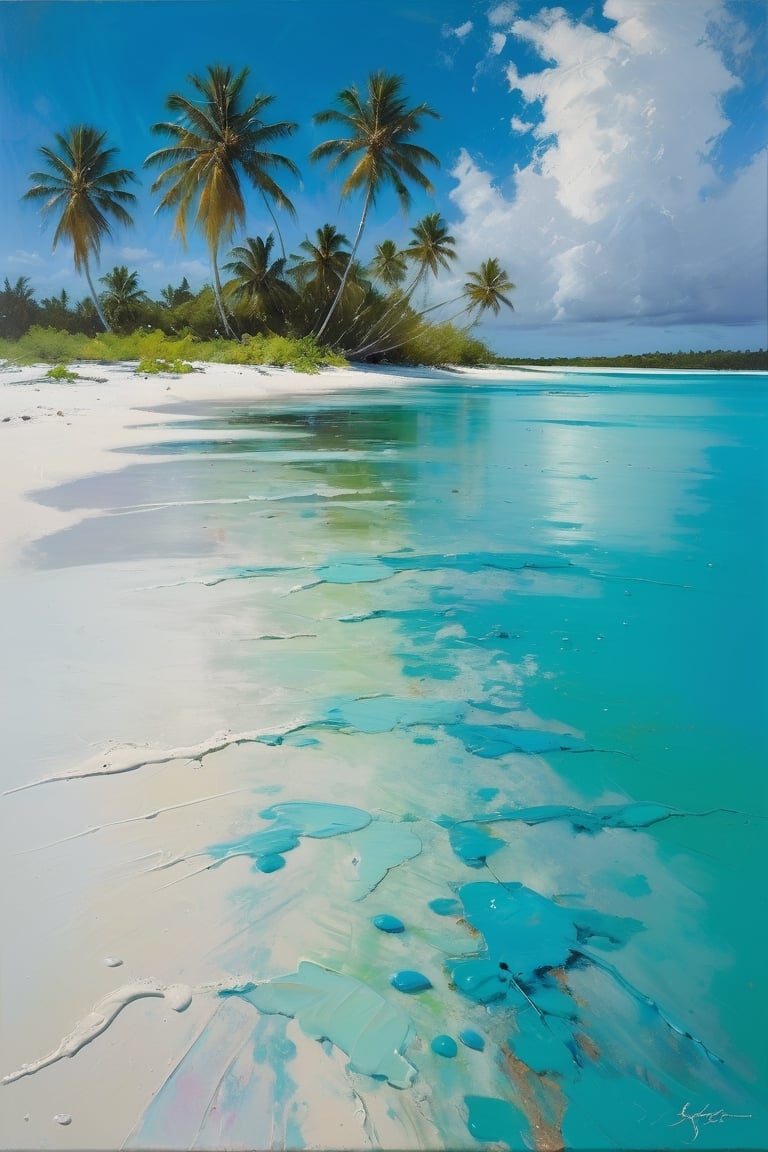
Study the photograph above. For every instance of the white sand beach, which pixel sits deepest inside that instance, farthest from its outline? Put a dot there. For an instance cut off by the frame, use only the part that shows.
(55, 430)
(197, 635)
(93, 657)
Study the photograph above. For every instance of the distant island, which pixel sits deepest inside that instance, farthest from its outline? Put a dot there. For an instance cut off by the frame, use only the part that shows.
(720, 360)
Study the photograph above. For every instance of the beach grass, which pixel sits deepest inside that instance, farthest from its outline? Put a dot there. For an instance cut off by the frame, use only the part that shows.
(154, 348)
(431, 345)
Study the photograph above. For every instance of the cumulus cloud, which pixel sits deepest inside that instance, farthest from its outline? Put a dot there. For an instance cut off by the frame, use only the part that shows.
(621, 213)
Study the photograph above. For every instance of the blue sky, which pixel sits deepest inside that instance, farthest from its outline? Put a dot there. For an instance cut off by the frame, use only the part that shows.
(611, 153)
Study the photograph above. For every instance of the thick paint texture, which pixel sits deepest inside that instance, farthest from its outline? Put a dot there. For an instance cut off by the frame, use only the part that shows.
(372, 1032)
(507, 892)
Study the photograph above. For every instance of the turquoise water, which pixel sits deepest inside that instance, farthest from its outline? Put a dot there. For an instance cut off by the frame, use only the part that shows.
(526, 628)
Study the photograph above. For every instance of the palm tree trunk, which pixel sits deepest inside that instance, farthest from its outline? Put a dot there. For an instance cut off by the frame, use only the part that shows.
(217, 293)
(400, 303)
(268, 206)
(350, 262)
(94, 297)
(374, 344)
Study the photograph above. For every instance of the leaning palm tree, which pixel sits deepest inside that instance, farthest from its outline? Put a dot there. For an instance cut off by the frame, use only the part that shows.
(259, 281)
(83, 188)
(487, 289)
(215, 140)
(378, 130)
(431, 249)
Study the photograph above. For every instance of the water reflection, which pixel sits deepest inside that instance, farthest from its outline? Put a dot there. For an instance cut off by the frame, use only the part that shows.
(508, 596)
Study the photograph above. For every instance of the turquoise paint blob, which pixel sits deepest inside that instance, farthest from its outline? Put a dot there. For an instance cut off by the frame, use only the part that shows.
(424, 740)
(526, 934)
(377, 848)
(410, 981)
(487, 794)
(332, 1006)
(632, 817)
(386, 923)
(495, 1121)
(444, 1045)
(492, 740)
(291, 819)
(472, 844)
(317, 820)
(547, 1047)
(446, 906)
(472, 1039)
(353, 572)
(270, 841)
(389, 713)
(298, 741)
(271, 862)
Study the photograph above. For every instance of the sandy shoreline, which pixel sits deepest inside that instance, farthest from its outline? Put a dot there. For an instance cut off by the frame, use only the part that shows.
(134, 650)
(54, 431)
(89, 663)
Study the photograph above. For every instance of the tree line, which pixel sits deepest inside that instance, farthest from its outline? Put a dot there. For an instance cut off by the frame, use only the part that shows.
(712, 359)
(218, 144)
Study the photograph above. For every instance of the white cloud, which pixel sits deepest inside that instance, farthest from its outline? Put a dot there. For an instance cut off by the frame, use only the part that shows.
(20, 256)
(198, 270)
(498, 42)
(133, 253)
(502, 14)
(462, 31)
(620, 213)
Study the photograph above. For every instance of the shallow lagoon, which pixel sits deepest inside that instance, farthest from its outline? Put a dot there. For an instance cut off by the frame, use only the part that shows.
(511, 699)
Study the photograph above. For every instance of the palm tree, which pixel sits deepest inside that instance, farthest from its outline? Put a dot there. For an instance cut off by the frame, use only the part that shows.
(18, 308)
(55, 311)
(172, 297)
(378, 130)
(214, 141)
(123, 298)
(85, 190)
(431, 248)
(259, 281)
(326, 262)
(487, 289)
(389, 264)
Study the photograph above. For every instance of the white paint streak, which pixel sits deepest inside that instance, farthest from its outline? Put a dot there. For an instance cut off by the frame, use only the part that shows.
(124, 758)
(178, 996)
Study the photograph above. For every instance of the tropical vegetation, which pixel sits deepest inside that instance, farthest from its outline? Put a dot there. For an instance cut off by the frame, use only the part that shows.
(721, 360)
(83, 189)
(221, 146)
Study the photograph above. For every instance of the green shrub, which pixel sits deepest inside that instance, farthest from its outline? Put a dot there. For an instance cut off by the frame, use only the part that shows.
(157, 352)
(61, 372)
(152, 365)
(47, 346)
(440, 344)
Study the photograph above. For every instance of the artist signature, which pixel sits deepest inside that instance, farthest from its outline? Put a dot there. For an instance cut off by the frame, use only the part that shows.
(705, 1116)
